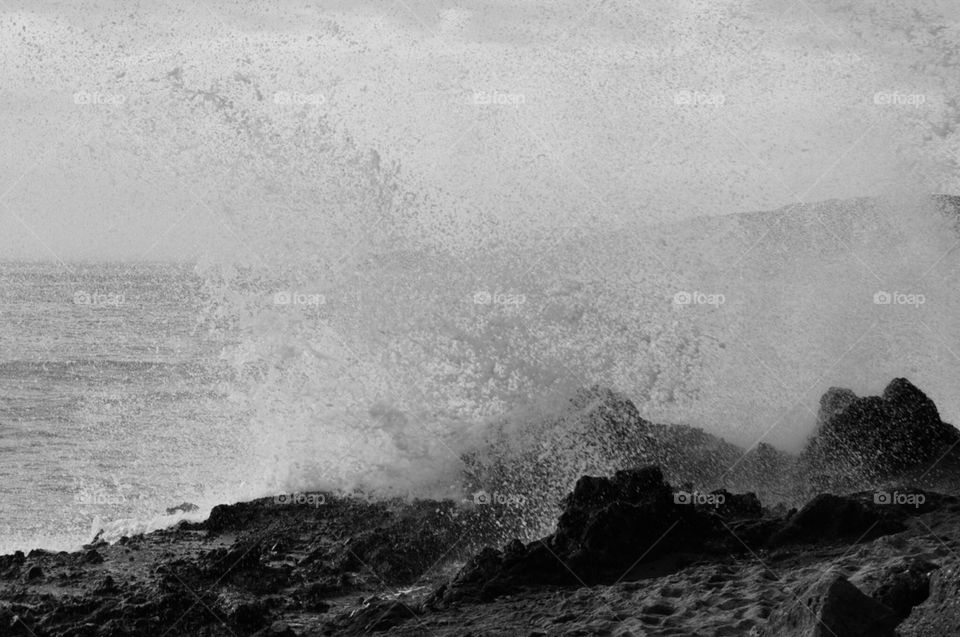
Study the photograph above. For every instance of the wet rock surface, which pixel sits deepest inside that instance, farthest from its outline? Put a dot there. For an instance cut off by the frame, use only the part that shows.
(612, 526)
(833, 606)
(250, 566)
(360, 567)
(939, 614)
(628, 552)
(876, 436)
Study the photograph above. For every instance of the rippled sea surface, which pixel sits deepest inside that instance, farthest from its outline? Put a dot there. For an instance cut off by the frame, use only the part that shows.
(111, 399)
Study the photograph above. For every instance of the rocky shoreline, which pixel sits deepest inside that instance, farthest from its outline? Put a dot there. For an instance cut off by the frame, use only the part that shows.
(630, 554)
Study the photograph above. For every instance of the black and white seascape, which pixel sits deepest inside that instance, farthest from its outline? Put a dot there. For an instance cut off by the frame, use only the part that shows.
(417, 317)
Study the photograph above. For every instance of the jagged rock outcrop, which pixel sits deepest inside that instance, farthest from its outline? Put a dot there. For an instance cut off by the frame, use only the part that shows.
(902, 586)
(253, 566)
(831, 518)
(354, 566)
(876, 437)
(598, 431)
(531, 462)
(608, 525)
(834, 401)
(832, 607)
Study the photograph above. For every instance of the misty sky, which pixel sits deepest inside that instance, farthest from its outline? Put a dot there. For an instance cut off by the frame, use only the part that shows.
(159, 130)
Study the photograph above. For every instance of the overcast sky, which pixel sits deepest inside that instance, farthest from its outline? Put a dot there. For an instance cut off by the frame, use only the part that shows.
(159, 130)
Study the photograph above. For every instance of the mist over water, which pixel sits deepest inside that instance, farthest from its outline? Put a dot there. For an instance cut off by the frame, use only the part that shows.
(388, 380)
(408, 222)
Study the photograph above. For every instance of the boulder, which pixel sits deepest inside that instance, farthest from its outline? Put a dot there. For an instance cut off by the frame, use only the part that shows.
(829, 519)
(107, 586)
(532, 460)
(939, 614)
(832, 607)
(613, 521)
(183, 507)
(905, 586)
(908, 404)
(608, 526)
(529, 461)
(877, 437)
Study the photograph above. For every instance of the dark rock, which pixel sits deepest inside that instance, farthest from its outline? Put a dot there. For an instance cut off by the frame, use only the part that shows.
(229, 517)
(10, 565)
(832, 519)
(738, 505)
(16, 626)
(597, 431)
(903, 587)
(34, 573)
(107, 586)
(96, 542)
(276, 629)
(403, 551)
(93, 557)
(608, 526)
(832, 607)
(907, 403)
(237, 559)
(114, 628)
(248, 615)
(183, 507)
(311, 596)
(380, 615)
(609, 522)
(833, 402)
(939, 614)
(754, 533)
(877, 436)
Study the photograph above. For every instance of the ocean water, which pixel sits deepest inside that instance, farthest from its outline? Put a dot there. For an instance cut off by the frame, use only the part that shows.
(128, 388)
(112, 400)
(401, 227)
